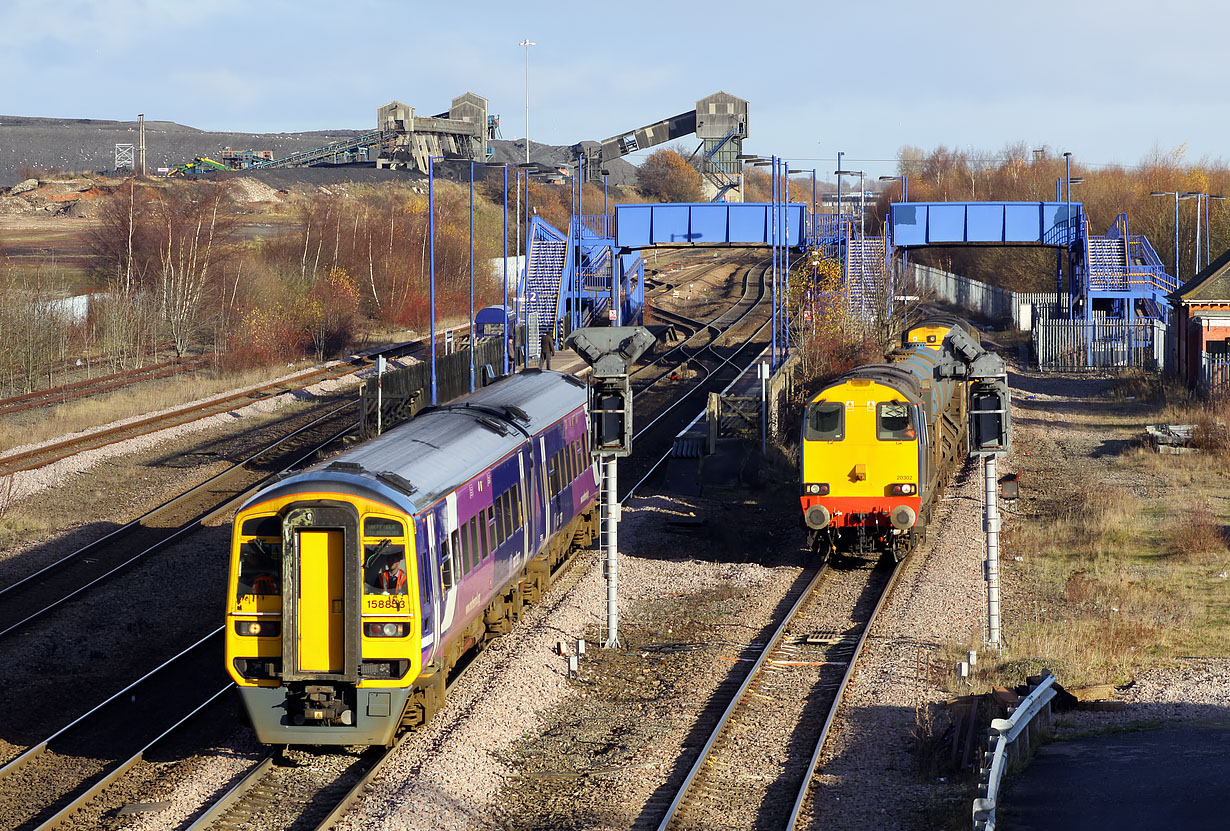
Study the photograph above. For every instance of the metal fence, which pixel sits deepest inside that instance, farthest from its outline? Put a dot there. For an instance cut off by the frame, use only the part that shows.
(1214, 374)
(403, 392)
(1099, 344)
(987, 300)
(1028, 722)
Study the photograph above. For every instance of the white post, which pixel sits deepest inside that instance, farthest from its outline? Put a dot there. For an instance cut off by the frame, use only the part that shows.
(763, 370)
(610, 527)
(991, 526)
(379, 390)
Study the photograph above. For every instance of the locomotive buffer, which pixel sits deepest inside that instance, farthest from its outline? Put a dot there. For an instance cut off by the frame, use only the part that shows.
(610, 351)
(989, 433)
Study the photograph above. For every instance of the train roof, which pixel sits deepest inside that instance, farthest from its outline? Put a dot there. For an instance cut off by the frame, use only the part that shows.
(443, 447)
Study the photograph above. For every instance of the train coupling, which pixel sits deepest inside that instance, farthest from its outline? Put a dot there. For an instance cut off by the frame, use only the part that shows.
(319, 703)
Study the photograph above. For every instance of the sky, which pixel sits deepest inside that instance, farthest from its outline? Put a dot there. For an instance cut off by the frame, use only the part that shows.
(1109, 82)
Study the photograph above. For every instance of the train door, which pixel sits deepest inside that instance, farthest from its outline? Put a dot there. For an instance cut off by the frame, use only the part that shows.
(429, 592)
(542, 494)
(321, 600)
(521, 513)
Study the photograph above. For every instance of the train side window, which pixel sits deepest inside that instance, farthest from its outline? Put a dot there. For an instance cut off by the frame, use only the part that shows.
(553, 474)
(490, 529)
(894, 422)
(260, 568)
(477, 538)
(518, 518)
(456, 537)
(506, 523)
(384, 568)
(826, 421)
(464, 550)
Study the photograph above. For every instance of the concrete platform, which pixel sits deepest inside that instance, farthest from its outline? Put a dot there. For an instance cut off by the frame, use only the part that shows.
(1176, 777)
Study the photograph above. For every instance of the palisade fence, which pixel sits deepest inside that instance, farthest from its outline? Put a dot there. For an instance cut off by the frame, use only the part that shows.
(1099, 344)
(1214, 374)
(992, 302)
(403, 392)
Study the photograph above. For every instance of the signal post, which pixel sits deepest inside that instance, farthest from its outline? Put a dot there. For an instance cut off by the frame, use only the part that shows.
(610, 351)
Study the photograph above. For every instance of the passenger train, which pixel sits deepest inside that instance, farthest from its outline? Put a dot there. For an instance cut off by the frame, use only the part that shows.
(357, 585)
(878, 445)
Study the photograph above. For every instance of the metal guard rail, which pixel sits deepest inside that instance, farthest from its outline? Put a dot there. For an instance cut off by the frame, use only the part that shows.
(1004, 731)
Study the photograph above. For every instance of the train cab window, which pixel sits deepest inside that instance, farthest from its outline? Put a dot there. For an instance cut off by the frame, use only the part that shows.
(893, 421)
(384, 559)
(260, 567)
(384, 567)
(826, 421)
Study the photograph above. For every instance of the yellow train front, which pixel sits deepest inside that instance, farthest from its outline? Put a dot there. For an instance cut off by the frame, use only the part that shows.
(877, 445)
(358, 585)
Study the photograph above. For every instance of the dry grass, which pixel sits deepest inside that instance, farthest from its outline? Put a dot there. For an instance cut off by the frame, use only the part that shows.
(23, 428)
(1123, 572)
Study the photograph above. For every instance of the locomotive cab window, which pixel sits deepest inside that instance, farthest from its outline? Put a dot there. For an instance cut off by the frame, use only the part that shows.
(384, 560)
(260, 567)
(894, 421)
(826, 421)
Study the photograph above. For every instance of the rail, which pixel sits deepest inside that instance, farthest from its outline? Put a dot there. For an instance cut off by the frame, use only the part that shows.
(1032, 715)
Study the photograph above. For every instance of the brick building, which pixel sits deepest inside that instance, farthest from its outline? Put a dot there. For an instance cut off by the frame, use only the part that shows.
(1202, 319)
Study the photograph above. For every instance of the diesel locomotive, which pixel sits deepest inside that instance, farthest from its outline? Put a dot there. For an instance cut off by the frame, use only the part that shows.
(357, 585)
(879, 442)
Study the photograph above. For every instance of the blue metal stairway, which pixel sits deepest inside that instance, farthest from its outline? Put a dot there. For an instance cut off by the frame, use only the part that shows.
(546, 252)
(1124, 269)
(575, 280)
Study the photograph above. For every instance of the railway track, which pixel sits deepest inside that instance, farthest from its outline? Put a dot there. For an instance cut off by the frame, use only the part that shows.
(47, 454)
(755, 768)
(106, 383)
(52, 780)
(37, 594)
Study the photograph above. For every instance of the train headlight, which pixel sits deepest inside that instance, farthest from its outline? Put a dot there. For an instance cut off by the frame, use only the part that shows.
(816, 489)
(258, 628)
(386, 630)
(904, 489)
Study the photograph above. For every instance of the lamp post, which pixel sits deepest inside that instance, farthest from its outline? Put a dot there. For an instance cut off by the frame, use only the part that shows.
(605, 211)
(771, 162)
(504, 300)
(1208, 217)
(473, 343)
(1177, 194)
(839, 173)
(812, 171)
(431, 233)
(527, 43)
(862, 190)
(905, 197)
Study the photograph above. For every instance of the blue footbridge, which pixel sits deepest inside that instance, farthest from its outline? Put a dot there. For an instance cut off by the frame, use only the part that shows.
(594, 273)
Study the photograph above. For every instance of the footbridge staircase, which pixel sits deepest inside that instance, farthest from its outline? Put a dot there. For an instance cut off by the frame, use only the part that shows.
(579, 278)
